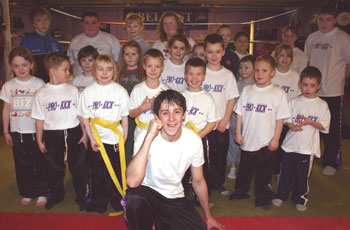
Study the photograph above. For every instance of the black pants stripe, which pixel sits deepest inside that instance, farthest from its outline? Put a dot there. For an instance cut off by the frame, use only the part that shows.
(55, 142)
(30, 166)
(145, 207)
(218, 147)
(333, 138)
(295, 172)
(259, 164)
(103, 189)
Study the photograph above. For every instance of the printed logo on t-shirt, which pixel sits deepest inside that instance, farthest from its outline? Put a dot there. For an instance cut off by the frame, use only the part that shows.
(259, 108)
(286, 88)
(214, 89)
(21, 105)
(322, 46)
(299, 118)
(96, 105)
(173, 79)
(64, 105)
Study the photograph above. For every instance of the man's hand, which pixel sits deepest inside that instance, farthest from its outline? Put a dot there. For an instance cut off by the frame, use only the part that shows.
(154, 127)
(212, 223)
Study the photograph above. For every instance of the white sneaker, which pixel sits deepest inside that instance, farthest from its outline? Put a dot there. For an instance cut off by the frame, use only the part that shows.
(329, 171)
(277, 202)
(41, 201)
(300, 207)
(232, 173)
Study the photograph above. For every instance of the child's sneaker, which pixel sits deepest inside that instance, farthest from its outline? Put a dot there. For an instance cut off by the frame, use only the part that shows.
(26, 201)
(300, 207)
(277, 202)
(222, 190)
(41, 201)
(329, 171)
(232, 173)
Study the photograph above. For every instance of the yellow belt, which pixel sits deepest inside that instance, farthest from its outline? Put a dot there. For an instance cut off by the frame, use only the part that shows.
(113, 127)
(191, 126)
(140, 124)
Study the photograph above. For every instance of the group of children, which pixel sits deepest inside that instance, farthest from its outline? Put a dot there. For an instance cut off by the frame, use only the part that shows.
(103, 107)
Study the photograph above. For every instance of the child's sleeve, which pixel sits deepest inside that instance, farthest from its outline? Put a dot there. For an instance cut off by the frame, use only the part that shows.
(134, 95)
(325, 118)
(232, 89)
(283, 110)
(239, 104)
(83, 107)
(38, 107)
(125, 103)
(5, 94)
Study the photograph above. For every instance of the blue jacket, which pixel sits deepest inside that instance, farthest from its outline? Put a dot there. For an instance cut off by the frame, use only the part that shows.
(40, 45)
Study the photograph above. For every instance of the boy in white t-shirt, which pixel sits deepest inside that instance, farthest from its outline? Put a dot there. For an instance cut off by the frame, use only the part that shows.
(201, 112)
(260, 110)
(86, 57)
(58, 131)
(310, 115)
(221, 84)
(162, 155)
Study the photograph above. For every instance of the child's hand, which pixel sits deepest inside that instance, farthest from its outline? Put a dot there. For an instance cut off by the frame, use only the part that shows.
(84, 140)
(273, 145)
(42, 147)
(147, 104)
(8, 139)
(239, 139)
(95, 147)
(305, 121)
(296, 128)
(221, 126)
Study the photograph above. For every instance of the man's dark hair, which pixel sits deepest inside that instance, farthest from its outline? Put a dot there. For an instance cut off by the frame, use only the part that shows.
(90, 13)
(311, 72)
(328, 10)
(195, 62)
(213, 39)
(170, 96)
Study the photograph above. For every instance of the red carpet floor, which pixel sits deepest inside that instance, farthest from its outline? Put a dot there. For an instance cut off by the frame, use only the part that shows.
(40, 221)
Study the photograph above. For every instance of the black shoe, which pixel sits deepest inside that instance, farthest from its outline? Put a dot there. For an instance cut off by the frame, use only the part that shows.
(95, 208)
(52, 202)
(235, 196)
(265, 207)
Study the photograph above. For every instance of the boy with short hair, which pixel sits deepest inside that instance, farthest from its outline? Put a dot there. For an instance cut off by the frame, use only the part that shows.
(328, 49)
(201, 112)
(247, 78)
(39, 42)
(221, 84)
(310, 115)
(86, 57)
(260, 110)
(58, 130)
(134, 27)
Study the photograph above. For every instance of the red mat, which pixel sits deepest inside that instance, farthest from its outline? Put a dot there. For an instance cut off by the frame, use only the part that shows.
(38, 221)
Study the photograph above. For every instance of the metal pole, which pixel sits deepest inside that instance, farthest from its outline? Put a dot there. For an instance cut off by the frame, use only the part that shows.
(251, 44)
(8, 35)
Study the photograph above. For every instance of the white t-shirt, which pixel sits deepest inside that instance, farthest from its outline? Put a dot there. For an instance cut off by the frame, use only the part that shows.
(57, 106)
(20, 96)
(167, 162)
(163, 47)
(299, 60)
(329, 52)
(138, 94)
(108, 102)
(105, 43)
(240, 56)
(174, 76)
(222, 86)
(260, 108)
(200, 108)
(81, 82)
(307, 141)
(288, 82)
